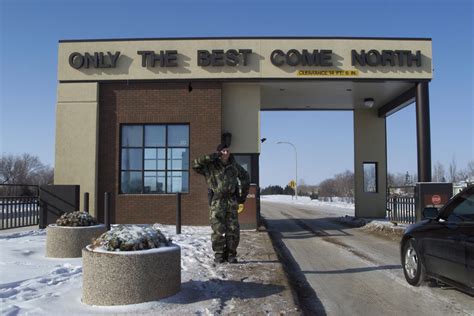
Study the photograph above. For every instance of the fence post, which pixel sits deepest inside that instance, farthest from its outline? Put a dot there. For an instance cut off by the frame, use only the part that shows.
(43, 214)
(106, 210)
(178, 213)
(15, 211)
(86, 202)
(395, 214)
(21, 221)
(3, 212)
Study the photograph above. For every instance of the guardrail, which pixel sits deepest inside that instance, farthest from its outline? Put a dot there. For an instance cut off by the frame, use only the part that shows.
(19, 205)
(401, 209)
(18, 211)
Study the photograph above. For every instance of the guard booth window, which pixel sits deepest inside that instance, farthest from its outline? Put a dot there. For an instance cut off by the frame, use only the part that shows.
(246, 162)
(370, 177)
(154, 159)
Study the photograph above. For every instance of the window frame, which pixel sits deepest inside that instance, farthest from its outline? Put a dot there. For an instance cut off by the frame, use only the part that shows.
(143, 147)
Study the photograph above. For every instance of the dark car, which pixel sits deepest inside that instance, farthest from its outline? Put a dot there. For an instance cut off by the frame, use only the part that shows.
(441, 246)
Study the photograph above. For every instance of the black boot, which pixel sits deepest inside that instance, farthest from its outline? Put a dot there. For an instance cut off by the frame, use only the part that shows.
(219, 258)
(232, 259)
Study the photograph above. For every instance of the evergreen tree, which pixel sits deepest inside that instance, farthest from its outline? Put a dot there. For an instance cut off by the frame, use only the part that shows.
(288, 190)
(272, 189)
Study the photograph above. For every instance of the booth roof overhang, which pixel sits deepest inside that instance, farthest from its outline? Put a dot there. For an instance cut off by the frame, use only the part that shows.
(294, 73)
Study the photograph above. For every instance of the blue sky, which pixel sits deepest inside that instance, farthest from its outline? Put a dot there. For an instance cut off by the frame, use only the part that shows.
(30, 31)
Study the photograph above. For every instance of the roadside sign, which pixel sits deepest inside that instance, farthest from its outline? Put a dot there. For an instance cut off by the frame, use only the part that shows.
(431, 194)
(292, 184)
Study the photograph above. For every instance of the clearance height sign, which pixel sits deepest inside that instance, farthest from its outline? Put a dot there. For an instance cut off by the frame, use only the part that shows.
(332, 73)
(194, 59)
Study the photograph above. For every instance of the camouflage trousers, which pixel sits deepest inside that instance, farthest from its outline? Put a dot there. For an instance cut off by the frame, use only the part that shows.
(225, 226)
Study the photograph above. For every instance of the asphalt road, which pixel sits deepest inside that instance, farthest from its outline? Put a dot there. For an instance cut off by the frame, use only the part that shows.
(345, 271)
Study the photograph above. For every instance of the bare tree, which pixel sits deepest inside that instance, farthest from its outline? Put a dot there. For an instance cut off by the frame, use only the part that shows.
(327, 188)
(453, 170)
(341, 185)
(438, 172)
(470, 169)
(396, 180)
(6, 169)
(409, 180)
(43, 176)
(24, 169)
(305, 189)
(462, 175)
(345, 183)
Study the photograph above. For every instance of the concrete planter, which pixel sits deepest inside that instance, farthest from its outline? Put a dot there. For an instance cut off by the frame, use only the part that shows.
(67, 242)
(130, 277)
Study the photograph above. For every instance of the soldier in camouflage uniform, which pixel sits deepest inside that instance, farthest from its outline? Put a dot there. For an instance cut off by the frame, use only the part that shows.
(228, 186)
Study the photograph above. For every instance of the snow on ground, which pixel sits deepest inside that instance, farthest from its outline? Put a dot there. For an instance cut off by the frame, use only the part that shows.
(32, 284)
(305, 200)
(337, 207)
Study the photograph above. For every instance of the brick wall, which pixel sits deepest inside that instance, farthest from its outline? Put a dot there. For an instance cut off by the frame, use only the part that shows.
(156, 103)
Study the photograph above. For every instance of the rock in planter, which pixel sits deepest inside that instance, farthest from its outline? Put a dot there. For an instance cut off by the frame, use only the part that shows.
(67, 241)
(130, 277)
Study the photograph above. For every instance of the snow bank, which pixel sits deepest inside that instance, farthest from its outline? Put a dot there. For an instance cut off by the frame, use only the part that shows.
(305, 200)
(386, 228)
(335, 208)
(380, 227)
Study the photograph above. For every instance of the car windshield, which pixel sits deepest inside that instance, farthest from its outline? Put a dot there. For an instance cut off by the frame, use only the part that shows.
(461, 207)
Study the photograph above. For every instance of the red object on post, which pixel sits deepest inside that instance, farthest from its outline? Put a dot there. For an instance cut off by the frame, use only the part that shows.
(436, 199)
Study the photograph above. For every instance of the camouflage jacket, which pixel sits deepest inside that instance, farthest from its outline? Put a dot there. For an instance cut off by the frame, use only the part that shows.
(228, 179)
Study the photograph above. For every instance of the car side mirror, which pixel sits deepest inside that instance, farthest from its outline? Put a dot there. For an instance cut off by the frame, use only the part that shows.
(430, 213)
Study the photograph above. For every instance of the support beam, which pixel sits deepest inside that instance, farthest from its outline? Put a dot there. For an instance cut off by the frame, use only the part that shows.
(398, 103)
(423, 132)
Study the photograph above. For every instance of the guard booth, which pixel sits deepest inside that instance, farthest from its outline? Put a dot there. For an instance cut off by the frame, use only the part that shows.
(431, 194)
(132, 113)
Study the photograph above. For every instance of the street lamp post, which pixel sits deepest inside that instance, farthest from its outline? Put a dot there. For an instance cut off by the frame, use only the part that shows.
(296, 167)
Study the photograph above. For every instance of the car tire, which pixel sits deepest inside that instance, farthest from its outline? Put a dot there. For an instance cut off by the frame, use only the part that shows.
(413, 267)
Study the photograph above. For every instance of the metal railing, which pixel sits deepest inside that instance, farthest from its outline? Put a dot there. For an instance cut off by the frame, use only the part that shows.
(19, 205)
(401, 209)
(18, 211)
